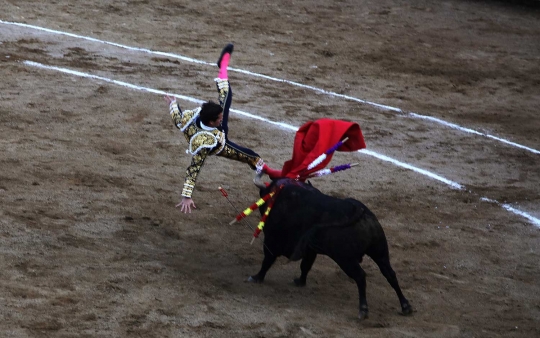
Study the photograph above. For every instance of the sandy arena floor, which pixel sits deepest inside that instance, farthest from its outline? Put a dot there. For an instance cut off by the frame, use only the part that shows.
(91, 169)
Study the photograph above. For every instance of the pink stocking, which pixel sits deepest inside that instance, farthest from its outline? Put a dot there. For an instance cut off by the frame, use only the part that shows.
(223, 66)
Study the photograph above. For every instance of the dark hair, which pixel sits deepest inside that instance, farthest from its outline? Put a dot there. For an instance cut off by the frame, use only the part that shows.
(210, 112)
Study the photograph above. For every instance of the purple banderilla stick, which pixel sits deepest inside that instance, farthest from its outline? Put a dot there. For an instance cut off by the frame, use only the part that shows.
(334, 148)
(341, 167)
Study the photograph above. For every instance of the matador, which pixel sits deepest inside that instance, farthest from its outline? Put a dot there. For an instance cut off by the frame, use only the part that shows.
(206, 128)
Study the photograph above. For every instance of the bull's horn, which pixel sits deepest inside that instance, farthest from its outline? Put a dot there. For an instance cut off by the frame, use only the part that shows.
(257, 181)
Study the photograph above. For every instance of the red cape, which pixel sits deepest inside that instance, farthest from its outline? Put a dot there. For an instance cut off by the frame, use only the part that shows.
(314, 139)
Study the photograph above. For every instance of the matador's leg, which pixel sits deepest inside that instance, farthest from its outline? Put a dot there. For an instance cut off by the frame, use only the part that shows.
(225, 99)
(235, 152)
(223, 86)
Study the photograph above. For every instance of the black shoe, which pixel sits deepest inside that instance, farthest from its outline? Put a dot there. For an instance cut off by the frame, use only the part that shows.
(227, 50)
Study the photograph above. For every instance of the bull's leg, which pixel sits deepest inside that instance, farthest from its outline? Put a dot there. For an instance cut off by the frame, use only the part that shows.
(354, 271)
(268, 260)
(390, 275)
(305, 266)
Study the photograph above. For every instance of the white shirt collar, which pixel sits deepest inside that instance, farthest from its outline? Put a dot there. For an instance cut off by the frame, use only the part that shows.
(206, 127)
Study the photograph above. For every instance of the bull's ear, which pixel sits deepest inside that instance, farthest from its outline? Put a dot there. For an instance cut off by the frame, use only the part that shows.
(309, 182)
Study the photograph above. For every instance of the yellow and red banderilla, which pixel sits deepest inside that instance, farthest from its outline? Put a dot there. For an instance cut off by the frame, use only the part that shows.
(252, 207)
(260, 226)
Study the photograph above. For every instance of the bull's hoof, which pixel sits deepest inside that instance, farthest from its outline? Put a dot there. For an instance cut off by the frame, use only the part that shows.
(255, 279)
(299, 282)
(363, 315)
(406, 309)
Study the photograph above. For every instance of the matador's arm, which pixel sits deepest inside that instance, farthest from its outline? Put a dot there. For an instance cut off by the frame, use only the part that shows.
(193, 170)
(176, 114)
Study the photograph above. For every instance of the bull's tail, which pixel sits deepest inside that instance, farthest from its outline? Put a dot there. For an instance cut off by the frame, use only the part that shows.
(308, 239)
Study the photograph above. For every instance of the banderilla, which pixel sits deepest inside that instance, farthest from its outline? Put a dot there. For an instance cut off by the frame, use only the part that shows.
(226, 195)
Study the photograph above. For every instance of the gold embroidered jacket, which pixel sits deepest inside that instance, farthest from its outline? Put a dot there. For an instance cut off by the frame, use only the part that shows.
(201, 142)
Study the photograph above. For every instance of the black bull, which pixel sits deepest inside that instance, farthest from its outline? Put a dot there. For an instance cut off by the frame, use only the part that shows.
(304, 222)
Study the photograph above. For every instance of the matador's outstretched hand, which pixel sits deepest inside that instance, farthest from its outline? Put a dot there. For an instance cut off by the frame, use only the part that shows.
(169, 99)
(185, 205)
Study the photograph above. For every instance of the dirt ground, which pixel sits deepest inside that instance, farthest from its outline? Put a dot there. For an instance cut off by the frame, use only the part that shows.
(91, 244)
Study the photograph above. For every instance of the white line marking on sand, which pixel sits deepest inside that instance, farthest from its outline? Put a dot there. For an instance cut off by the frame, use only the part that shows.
(510, 208)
